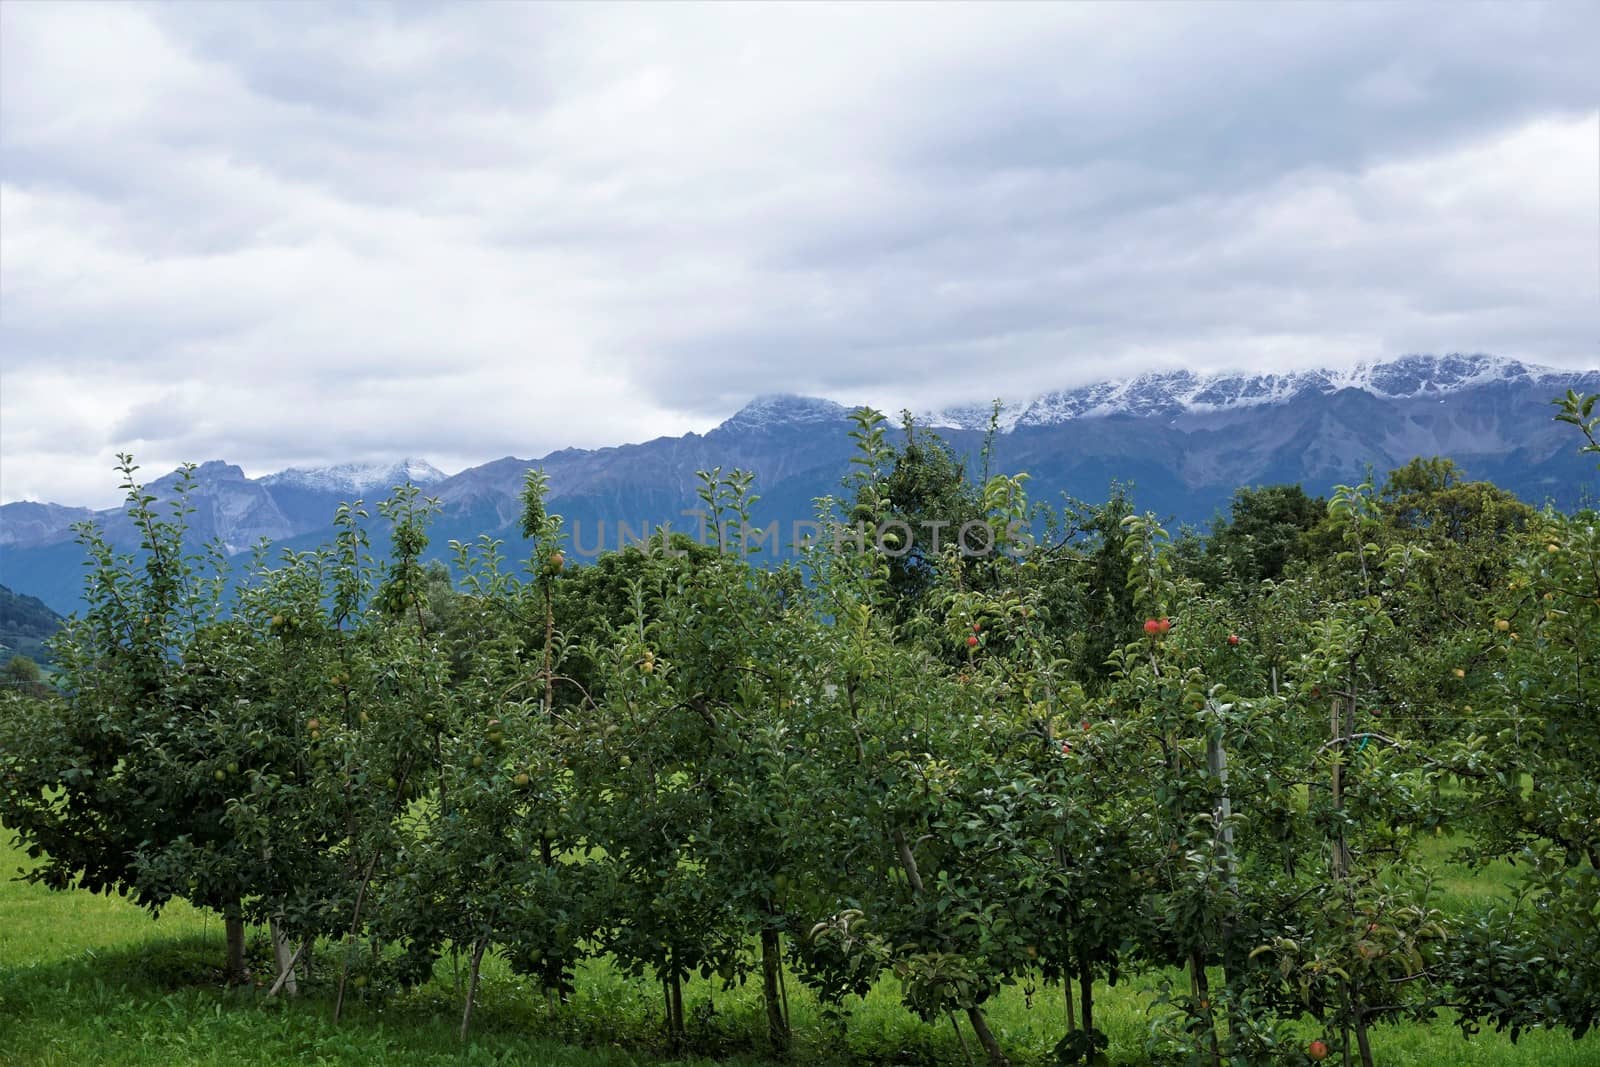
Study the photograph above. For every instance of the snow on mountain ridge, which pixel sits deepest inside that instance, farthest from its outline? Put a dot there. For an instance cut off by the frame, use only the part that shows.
(771, 409)
(1173, 392)
(358, 477)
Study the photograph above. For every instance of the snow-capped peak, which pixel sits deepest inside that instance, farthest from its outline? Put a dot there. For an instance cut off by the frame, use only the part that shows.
(1176, 392)
(1433, 375)
(774, 409)
(358, 477)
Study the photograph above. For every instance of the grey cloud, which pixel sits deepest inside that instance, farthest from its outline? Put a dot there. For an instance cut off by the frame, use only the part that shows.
(503, 229)
(1225, 95)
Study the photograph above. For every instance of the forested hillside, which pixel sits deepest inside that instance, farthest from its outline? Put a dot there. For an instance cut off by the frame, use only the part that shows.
(25, 624)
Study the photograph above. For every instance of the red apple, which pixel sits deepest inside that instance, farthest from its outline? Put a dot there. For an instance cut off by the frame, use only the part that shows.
(1151, 626)
(1164, 624)
(1317, 1050)
(972, 641)
(1233, 639)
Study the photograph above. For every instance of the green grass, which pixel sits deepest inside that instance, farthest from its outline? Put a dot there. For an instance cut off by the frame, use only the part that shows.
(93, 980)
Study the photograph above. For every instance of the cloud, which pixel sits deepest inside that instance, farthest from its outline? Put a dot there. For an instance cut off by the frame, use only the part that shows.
(472, 231)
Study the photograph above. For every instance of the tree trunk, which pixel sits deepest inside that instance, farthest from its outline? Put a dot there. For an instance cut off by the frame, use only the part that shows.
(551, 978)
(771, 961)
(355, 925)
(280, 945)
(1362, 1042)
(1222, 813)
(284, 959)
(966, 1053)
(783, 995)
(679, 1030)
(1066, 993)
(286, 969)
(980, 1026)
(1222, 806)
(672, 1000)
(472, 985)
(1202, 990)
(908, 860)
(438, 761)
(1086, 994)
(233, 963)
(1339, 864)
(549, 647)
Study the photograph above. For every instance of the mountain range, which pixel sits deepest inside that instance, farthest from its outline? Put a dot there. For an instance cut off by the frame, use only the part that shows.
(1183, 440)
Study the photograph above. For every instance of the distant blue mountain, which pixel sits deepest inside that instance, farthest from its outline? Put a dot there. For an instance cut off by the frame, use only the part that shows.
(1184, 441)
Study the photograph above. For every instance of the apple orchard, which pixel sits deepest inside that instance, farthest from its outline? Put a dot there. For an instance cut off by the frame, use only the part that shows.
(1101, 750)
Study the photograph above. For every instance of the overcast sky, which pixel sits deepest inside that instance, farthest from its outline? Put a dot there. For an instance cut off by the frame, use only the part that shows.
(297, 234)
